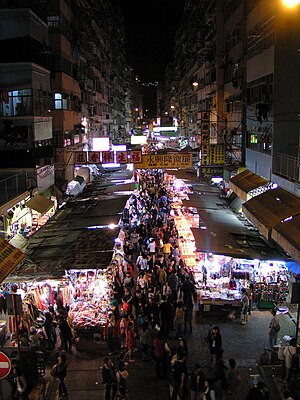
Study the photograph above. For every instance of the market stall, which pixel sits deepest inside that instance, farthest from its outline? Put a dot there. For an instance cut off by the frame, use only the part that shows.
(219, 278)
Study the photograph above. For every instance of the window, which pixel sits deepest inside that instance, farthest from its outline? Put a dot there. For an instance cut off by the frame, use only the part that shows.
(53, 21)
(60, 103)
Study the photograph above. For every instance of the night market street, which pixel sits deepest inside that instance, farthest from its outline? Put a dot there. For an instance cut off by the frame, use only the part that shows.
(244, 343)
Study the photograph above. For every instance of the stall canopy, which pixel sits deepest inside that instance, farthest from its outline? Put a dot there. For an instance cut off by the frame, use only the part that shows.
(268, 209)
(287, 235)
(40, 204)
(235, 245)
(293, 266)
(246, 181)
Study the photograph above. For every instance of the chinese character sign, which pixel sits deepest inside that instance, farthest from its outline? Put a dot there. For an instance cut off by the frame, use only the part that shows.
(121, 157)
(107, 157)
(172, 160)
(10, 258)
(135, 157)
(94, 157)
(80, 157)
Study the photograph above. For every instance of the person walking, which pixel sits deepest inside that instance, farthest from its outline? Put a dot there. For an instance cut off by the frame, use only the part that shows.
(19, 384)
(288, 353)
(274, 328)
(62, 365)
(215, 344)
(179, 319)
(233, 380)
(245, 306)
(197, 382)
(109, 379)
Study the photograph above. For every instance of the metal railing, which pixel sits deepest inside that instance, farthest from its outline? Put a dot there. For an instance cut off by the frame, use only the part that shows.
(12, 186)
(287, 166)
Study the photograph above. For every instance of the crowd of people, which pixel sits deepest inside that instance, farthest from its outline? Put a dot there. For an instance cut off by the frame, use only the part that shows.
(153, 300)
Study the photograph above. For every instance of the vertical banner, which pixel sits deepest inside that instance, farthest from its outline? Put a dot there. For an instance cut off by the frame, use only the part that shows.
(205, 137)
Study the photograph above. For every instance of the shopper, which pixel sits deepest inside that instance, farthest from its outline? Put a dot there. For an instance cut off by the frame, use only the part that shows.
(197, 382)
(274, 328)
(179, 319)
(20, 385)
(245, 306)
(215, 343)
(289, 352)
(62, 366)
(109, 379)
(234, 380)
(111, 333)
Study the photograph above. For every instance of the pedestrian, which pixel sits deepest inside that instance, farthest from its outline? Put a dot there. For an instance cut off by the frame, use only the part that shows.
(289, 352)
(111, 333)
(66, 334)
(62, 366)
(197, 382)
(34, 339)
(109, 379)
(258, 392)
(188, 315)
(161, 353)
(245, 306)
(19, 384)
(274, 328)
(179, 371)
(208, 393)
(130, 341)
(234, 380)
(215, 343)
(179, 319)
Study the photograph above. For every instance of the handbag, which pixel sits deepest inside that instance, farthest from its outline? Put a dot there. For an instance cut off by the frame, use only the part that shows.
(54, 371)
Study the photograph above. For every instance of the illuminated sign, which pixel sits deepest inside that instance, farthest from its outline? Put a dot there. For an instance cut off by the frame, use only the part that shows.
(10, 258)
(172, 160)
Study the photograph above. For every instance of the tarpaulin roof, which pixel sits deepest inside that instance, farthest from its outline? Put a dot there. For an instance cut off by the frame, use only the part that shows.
(246, 181)
(270, 208)
(39, 203)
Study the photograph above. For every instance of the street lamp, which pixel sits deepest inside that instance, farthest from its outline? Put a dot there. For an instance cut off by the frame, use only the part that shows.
(290, 3)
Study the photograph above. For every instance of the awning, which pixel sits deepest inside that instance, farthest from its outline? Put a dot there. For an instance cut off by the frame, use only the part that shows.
(268, 209)
(235, 245)
(287, 235)
(246, 181)
(39, 203)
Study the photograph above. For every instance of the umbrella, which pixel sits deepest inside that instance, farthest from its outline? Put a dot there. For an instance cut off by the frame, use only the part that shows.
(294, 267)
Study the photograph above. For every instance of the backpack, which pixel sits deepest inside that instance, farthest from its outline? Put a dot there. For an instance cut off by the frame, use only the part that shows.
(277, 328)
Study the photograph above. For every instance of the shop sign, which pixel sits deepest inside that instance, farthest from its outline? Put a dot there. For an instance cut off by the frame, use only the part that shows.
(94, 157)
(5, 365)
(212, 171)
(121, 157)
(216, 154)
(10, 258)
(173, 160)
(45, 177)
(80, 157)
(135, 157)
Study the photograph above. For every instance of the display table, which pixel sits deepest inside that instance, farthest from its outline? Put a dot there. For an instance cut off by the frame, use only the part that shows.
(220, 307)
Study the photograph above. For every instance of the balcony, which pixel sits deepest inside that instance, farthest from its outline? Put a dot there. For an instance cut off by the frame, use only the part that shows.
(287, 166)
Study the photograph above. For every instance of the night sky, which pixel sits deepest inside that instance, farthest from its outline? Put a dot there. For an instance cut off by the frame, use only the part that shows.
(150, 27)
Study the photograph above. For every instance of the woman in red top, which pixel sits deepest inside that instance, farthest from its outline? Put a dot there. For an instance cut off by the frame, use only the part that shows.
(161, 350)
(130, 341)
(111, 333)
